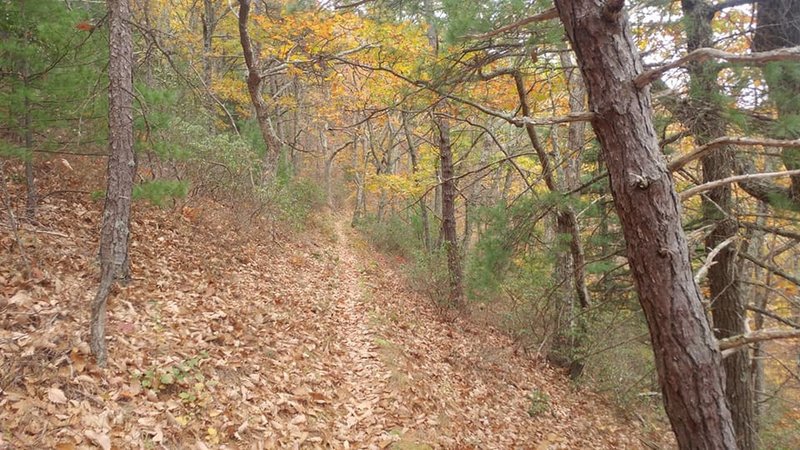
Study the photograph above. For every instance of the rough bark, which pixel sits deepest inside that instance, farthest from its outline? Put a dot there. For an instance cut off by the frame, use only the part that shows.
(687, 359)
(447, 186)
(121, 169)
(255, 83)
(449, 235)
(727, 303)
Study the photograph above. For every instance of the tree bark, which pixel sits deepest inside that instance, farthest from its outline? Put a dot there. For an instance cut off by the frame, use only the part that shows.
(115, 231)
(449, 235)
(687, 358)
(727, 303)
(255, 84)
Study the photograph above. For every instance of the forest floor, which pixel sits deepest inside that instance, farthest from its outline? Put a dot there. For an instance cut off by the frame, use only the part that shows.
(240, 338)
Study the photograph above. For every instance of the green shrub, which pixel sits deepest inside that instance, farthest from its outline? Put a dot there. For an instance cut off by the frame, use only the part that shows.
(157, 192)
(428, 275)
(540, 403)
(392, 235)
(296, 199)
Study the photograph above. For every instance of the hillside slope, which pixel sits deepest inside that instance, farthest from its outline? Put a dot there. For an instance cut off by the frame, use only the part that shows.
(227, 338)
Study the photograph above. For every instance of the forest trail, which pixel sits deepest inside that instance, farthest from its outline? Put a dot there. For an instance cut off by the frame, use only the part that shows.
(227, 339)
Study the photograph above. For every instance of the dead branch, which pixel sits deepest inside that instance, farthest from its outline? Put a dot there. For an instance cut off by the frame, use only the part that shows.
(771, 268)
(732, 344)
(728, 140)
(701, 273)
(735, 179)
(702, 54)
(12, 220)
(551, 13)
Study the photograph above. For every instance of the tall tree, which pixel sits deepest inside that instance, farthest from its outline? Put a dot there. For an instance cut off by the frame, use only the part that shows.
(115, 231)
(255, 85)
(449, 233)
(687, 357)
(706, 122)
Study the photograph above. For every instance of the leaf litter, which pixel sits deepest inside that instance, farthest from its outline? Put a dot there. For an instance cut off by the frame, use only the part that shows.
(227, 338)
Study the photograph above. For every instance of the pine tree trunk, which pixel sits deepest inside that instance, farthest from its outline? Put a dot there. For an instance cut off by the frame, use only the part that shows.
(778, 27)
(446, 189)
(567, 220)
(30, 175)
(121, 169)
(449, 235)
(728, 307)
(687, 357)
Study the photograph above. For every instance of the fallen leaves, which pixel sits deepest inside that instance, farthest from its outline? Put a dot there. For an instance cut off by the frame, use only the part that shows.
(102, 440)
(304, 348)
(56, 395)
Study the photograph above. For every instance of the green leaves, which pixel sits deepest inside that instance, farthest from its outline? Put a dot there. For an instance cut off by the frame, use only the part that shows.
(158, 192)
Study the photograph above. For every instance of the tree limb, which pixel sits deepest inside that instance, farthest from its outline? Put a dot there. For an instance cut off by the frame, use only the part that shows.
(701, 273)
(701, 54)
(729, 4)
(772, 230)
(731, 344)
(698, 152)
(735, 179)
(551, 13)
(777, 271)
(773, 316)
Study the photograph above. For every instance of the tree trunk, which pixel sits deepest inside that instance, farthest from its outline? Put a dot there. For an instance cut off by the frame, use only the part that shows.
(30, 175)
(778, 27)
(255, 84)
(687, 357)
(423, 207)
(327, 167)
(567, 220)
(707, 123)
(447, 186)
(121, 169)
(449, 235)
(359, 177)
(209, 24)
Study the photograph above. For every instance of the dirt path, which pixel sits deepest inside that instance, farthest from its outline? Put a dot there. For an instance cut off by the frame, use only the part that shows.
(366, 375)
(226, 343)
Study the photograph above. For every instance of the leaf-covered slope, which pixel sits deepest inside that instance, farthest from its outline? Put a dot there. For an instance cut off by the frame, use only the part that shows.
(227, 339)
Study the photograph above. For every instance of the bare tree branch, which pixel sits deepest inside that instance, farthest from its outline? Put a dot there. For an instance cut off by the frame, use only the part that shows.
(698, 152)
(735, 179)
(732, 344)
(773, 316)
(773, 230)
(701, 273)
(771, 268)
(729, 4)
(701, 54)
(551, 13)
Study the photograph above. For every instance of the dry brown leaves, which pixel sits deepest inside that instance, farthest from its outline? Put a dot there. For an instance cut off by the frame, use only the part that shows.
(227, 340)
